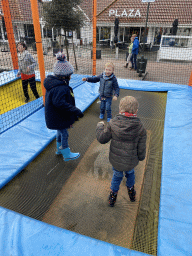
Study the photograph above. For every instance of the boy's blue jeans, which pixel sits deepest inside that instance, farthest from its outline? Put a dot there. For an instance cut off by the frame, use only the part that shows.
(106, 105)
(118, 176)
(62, 137)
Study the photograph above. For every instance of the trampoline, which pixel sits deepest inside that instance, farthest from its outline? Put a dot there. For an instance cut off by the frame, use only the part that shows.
(50, 207)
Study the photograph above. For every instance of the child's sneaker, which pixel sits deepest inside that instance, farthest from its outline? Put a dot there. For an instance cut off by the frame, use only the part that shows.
(112, 198)
(131, 193)
(101, 116)
(108, 119)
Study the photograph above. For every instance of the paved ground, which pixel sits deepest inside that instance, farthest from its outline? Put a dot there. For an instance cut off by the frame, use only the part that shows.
(163, 71)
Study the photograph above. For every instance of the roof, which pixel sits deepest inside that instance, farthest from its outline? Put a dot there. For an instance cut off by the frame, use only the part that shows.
(14, 9)
(160, 11)
(20, 10)
(87, 6)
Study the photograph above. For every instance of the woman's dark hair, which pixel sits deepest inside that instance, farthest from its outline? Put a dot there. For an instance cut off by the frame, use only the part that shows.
(23, 44)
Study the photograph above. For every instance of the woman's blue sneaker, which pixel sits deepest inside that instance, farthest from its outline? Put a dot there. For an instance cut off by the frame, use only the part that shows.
(108, 119)
(101, 116)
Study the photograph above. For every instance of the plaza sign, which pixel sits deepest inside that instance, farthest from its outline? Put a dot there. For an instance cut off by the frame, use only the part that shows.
(131, 13)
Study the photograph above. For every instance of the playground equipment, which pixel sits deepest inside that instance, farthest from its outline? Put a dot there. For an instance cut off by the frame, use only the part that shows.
(37, 185)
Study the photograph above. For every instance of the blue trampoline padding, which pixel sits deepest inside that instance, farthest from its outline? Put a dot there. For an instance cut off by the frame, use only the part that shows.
(86, 94)
(175, 214)
(18, 114)
(21, 144)
(76, 79)
(21, 235)
(25, 140)
(7, 77)
(177, 240)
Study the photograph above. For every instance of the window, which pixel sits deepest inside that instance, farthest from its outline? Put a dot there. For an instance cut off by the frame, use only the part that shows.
(78, 34)
(29, 30)
(158, 34)
(105, 33)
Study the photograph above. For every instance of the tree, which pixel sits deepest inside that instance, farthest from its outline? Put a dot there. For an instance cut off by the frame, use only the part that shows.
(63, 14)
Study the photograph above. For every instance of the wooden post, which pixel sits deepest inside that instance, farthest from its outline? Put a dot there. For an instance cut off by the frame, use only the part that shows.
(145, 33)
(190, 79)
(10, 33)
(94, 36)
(37, 30)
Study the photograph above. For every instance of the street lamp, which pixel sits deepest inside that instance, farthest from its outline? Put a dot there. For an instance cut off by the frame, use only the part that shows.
(146, 1)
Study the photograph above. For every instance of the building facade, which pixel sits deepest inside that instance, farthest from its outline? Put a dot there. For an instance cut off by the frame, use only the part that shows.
(131, 14)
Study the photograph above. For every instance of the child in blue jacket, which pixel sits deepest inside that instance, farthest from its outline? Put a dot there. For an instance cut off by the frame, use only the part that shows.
(108, 89)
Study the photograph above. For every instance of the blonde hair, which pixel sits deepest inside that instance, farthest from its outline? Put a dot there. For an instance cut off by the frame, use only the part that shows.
(110, 64)
(128, 104)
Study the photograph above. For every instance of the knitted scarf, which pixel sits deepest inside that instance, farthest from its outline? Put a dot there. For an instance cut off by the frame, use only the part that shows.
(129, 114)
(107, 77)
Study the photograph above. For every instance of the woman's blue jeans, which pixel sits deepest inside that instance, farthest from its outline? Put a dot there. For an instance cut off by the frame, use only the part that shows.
(106, 105)
(62, 137)
(134, 61)
(118, 176)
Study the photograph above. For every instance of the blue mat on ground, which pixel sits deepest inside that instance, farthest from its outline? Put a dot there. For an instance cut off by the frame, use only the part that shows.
(22, 235)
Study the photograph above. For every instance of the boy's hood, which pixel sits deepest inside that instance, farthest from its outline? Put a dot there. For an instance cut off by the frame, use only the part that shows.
(53, 81)
(125, 127)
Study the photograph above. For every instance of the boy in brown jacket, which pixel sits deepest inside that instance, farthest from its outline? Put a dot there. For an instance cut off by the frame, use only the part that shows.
(128, 145)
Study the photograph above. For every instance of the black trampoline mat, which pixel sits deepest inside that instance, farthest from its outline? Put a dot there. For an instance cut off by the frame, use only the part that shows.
(73, 195)
(82, 204)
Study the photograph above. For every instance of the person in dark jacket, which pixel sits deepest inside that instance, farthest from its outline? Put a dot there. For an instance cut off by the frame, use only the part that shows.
(60, 109)
(128, 145)
(108, 89)
(135, 51)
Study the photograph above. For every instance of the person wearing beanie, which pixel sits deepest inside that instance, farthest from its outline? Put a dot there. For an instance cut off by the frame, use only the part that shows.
(60, 109)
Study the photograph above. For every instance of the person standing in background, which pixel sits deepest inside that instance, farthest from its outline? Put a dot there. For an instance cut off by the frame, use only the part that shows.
(130, 53)
(26, 70)
(135, 51)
